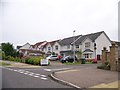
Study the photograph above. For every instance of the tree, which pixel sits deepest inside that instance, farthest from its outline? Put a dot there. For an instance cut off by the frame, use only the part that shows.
(8, 49)
(79, 54)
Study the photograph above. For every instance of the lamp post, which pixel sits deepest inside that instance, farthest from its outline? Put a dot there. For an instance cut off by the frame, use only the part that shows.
(95, 49)
(74, 45)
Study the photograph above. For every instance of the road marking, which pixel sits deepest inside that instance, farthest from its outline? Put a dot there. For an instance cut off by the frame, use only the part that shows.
(67, 71)
(43, 78)
(48, 70)
(15, 70)
(36, 75)
(56, 69)
(31, 74)
(25, 73)
(43, 75)
(21, 72)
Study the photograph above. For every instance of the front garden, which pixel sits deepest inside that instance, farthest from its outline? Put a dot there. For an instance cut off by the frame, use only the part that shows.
(27, 60)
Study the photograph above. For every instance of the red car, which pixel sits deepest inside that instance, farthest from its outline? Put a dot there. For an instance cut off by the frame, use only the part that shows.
(94, 60)
(59, 57)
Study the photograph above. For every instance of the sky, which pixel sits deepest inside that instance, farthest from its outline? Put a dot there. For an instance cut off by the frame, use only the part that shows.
(34, 21)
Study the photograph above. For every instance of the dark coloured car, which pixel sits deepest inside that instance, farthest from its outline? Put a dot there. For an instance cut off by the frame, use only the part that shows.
(68, 59)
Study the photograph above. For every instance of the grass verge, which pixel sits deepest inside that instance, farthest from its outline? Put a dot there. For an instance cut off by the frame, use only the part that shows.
(4, 64)
(74, 63)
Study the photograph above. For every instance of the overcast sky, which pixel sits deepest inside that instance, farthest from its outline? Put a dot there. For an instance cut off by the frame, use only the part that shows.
(38, 20)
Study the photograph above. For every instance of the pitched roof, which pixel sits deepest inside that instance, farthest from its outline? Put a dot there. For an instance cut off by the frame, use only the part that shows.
(87, 50)
(18, 47)
(68, 41)
(53, 42)
(80, 38)
(32, 46)
(32, 51)
(39, 43)
(92, 36)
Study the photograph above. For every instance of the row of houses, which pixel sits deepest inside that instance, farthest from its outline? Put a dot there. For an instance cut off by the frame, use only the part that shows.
(90, 45)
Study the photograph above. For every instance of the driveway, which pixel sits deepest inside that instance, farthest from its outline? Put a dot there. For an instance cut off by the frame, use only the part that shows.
(87, 76)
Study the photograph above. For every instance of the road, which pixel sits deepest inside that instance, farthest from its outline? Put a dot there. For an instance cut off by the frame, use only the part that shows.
(34, 77)
(19, 78)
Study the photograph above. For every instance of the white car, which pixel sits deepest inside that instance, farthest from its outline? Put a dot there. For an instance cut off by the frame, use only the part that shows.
(52, 57)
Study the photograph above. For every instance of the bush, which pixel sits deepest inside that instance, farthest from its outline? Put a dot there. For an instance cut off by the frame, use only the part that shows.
(33, 60)
(11, 58)
(105, 66)
(27, 59)
(101, 66)
(17, 59)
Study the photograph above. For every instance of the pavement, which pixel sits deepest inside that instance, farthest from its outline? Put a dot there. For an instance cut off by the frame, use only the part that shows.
(90, 77)
(19, 65)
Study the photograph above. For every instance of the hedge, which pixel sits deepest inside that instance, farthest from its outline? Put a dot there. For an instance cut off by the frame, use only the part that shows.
(33, 60)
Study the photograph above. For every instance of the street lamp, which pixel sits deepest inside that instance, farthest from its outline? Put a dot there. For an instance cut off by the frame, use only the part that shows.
(74, 45)
(95, 49)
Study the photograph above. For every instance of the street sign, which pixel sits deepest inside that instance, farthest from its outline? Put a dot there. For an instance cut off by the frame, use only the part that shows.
(44, 62)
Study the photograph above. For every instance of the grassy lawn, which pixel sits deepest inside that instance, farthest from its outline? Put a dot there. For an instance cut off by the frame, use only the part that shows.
(4, 64)
(88, 63)
(75, 63)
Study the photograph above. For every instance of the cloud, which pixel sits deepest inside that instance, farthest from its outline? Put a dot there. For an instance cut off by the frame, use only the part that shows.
(37, 20)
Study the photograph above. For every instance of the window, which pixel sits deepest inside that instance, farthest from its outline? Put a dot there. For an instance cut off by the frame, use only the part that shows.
(56, 47)
(68, 46)
(88, 55)
(87, 44)
(49, 48)
(77, 46)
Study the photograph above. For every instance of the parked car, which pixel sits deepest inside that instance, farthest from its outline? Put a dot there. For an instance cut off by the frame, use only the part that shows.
(94, 60)
(52, 57)
(59, 57)
(68, 59)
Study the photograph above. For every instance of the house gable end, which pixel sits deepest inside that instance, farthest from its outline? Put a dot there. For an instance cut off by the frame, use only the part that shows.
(25, 46)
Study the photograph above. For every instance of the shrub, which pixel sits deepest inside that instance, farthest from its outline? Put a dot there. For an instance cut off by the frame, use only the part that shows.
(101, 66)
(105, 66)
(17, 59)
(36, 61)
(11, 58)
(26, 59)
(33, 60)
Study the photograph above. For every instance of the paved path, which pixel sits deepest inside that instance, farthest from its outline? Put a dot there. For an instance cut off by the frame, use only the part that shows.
(87, 77)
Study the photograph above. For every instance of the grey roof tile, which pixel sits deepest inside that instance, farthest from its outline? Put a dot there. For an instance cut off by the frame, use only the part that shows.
(92, 36)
